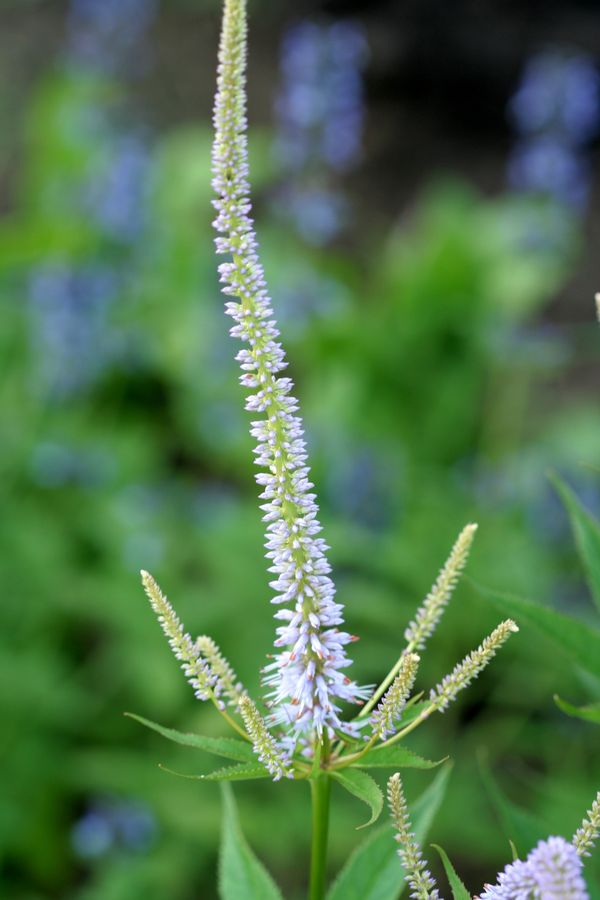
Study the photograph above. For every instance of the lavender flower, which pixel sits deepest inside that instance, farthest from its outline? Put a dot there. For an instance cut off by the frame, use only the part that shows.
(306, 678)
(552, 871)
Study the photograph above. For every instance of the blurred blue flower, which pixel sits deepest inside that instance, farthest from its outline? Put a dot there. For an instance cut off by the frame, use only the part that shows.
(549, 166)
(117, 194)
(319, 213)
(556, 111)
(112, 825)
(102, 34)
(54, 465)
(69, 322)
(320, 118)
(559, 92)
(320, 107)
(92, 836)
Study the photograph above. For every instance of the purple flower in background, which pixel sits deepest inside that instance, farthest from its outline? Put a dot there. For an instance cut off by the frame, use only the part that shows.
(117, 194)
(104, 33)
(320, 118)
(559, 93)
(109, 825)
(320, 107)
(70, 333)
(548, 165)
(556, 111)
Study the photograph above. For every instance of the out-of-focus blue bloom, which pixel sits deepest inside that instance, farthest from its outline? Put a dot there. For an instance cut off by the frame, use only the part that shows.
(55, 465)
(320, 107)
(320, 119)
(549, 166)
(104, 33)
(92, 836)
(117, 194)
(319, 213)
(69, 310)
(556, 111)
(559, 92)
(110, 825)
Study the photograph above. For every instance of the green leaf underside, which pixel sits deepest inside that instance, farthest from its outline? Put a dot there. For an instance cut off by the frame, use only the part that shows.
(365, 788)
(459, 891)
(396, 756)
(230, 748)
(374, 871)
(577, 640)
(229, 773)
(586, 531)
(590, 713)
(241, 875)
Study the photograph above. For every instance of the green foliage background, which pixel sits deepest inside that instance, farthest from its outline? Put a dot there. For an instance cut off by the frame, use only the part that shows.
(427, 384)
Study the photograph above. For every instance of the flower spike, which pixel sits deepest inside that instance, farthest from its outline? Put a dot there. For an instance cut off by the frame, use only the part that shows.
(263, 741)
(306, 679)
(464, 673)
(394, 701)
(586, 835)
(430, 612)
(227, 681)
(552, 871)
(420, 880)
(196, 669)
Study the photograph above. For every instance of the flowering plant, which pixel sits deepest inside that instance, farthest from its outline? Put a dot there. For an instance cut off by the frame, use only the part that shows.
(299, 730)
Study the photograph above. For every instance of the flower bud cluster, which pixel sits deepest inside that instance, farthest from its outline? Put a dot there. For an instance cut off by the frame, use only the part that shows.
(420, 880)
(470, 667)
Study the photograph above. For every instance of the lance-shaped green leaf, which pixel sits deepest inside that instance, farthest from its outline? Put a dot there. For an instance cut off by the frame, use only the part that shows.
(587, 536)
(459, 891)
(589, 713)
(374, 871)
(580, 642)
(230, 748)
(519, 825)
(241, 875)
(365, 788)
(396, 757)
(242, 772)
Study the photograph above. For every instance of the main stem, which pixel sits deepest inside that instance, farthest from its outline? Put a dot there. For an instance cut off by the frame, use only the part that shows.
(320, 789)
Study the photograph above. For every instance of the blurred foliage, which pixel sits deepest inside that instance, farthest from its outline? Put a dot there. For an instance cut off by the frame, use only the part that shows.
(426, 381)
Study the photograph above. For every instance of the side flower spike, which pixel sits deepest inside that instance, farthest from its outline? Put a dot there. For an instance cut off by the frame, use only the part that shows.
(587, 834)
(227, 681)
(263, 741)
(464, 673)
(196, 669)
(390, 707)
(420, 880)
(306, 679)
(430, 612)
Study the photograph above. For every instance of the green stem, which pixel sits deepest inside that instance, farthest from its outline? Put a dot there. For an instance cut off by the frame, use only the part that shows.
(320, 789)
